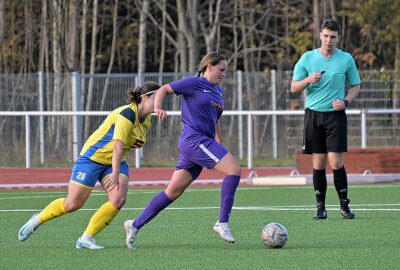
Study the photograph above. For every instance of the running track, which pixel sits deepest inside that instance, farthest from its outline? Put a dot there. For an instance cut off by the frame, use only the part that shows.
(35, 176)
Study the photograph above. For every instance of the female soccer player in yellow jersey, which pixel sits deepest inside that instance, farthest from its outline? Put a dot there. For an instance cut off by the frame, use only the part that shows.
(103, 159)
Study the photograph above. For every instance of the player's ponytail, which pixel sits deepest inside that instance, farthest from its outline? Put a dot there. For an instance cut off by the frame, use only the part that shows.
(134, 95)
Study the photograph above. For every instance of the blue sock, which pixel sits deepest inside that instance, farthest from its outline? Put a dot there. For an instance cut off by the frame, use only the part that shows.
(228, 189)
(156, 205)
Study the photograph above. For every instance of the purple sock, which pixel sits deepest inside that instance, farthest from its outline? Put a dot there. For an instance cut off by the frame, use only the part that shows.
(156, 205)
(228, 189)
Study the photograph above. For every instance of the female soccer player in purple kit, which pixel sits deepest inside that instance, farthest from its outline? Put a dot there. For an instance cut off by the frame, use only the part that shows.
(200, 145)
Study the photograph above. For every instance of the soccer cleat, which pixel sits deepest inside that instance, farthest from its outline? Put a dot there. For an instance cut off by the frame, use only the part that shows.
(345, 210)
(131, 233)
(87, 243)
(28, 228)
(224, 231)
(321, 212)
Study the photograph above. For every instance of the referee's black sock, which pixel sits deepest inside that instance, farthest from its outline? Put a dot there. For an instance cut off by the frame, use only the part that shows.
(320, 185)
(340, 181)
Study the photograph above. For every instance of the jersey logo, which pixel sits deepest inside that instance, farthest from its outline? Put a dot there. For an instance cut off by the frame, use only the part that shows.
(218, 106)
(206, 91)
(137, 144)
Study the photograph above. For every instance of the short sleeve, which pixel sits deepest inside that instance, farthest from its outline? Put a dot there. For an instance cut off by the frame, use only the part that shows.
(300, 69)
(352, 73)
(184, 86)
(124, 124)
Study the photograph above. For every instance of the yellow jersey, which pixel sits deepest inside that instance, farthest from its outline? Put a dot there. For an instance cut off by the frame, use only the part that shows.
(122, 124)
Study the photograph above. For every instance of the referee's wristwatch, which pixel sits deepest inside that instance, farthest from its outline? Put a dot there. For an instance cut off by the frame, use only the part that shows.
(346, 103)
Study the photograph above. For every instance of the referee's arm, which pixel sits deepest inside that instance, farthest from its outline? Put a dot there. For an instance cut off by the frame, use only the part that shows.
(298, 86)
(353, 92)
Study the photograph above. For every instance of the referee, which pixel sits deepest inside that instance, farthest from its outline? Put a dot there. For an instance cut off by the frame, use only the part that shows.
(323, 74)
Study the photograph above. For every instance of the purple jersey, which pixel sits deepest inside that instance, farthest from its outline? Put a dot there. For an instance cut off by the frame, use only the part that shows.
(202, 105)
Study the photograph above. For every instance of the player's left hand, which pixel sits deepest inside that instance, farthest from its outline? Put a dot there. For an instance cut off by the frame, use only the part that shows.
(111, 182)
(338, 105)
(161, 114)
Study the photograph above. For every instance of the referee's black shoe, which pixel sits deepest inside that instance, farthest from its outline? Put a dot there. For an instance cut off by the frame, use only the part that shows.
(345, 210)
(321, 212)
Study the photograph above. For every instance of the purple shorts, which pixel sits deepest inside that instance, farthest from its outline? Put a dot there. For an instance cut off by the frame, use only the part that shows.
(204, 152)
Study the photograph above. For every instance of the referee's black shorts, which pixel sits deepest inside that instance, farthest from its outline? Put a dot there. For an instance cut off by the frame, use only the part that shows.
(325, 132)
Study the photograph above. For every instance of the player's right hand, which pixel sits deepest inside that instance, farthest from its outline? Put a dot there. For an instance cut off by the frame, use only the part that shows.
(315, 77)
(161, 114)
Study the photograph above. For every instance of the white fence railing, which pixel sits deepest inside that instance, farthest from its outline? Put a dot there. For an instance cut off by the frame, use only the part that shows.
(248, 114)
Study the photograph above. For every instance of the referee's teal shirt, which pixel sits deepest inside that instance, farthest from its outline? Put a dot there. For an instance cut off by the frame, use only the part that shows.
(339, 69)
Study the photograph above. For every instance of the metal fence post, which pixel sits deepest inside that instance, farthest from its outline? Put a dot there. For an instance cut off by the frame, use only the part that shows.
(249, 142)
(41, 118)
(76, 119)
(138, 151)
(274, 124)
(28, 160)
(239, 75)
(363, 128)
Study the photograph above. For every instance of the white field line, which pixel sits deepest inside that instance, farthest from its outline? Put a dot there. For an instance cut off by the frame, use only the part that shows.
(57, 196)
(245, 208)
(100, 192)
(203, 189)
(355, 207)
(156, 190)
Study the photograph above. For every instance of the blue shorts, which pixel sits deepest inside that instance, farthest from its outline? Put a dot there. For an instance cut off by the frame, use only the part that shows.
(86, 172)
(194, 156)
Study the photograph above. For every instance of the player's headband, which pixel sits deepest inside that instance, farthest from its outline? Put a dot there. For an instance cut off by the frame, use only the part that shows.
(148, 93)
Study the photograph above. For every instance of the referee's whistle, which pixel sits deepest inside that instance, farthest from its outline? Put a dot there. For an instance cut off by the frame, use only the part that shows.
(322, 72)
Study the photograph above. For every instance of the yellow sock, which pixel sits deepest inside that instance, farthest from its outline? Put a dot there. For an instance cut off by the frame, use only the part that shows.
(101, 219)
(53, 210)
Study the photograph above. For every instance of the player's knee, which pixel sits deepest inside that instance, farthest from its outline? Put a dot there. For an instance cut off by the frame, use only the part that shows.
(71, 206)
(235, 170)
(175, 193)
(118, 202)
(336, 165)
(238, 171)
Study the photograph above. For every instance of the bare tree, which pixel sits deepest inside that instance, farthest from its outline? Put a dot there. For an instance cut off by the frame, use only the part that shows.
(186, 28)
(56, 31)
(2, 36)
(316, 22)
(143, 37)
(72, 34)
(235, 35)
(44, 62)
(43, 41)
(93, 53)
(163, 36)
(211, 29)
(2, 22)
(167, 21)
(29, 39)
(333, 9)
(82, 59)
(188, 37)
(110, 64)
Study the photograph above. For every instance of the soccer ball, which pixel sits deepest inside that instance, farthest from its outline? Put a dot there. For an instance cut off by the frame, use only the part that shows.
(274, 235)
